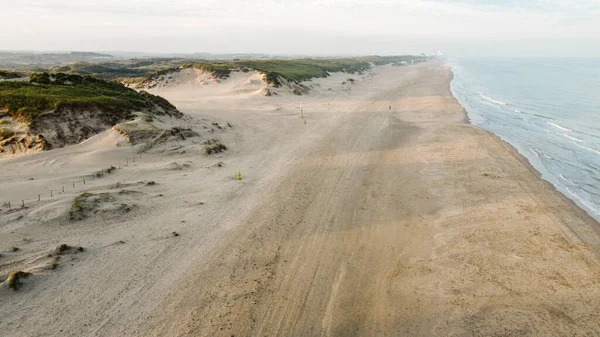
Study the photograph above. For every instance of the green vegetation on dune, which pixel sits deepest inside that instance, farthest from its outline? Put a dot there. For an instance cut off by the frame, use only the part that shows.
(292, 70)
(138, 71)
(383, 60)
(126, 69)
(46, 92)
(6, 133)
(4, 74)
(104, 70)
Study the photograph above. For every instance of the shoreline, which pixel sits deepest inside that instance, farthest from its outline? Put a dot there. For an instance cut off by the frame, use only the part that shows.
(580, 211)
(442, 230)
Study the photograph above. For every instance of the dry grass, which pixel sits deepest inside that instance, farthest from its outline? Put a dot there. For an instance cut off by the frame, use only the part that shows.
(13, 281)
(64, 248)
(213, 146)
(6, 133)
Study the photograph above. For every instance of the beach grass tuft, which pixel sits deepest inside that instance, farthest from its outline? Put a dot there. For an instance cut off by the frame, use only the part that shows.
(214, 148)
(13, 281)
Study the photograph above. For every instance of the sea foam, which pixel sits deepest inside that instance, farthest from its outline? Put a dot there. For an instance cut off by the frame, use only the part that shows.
(558, 126)
(573, 138)
(492, 100)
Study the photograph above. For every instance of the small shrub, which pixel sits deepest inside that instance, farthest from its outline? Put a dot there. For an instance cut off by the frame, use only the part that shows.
(110, 169)
(174, 234)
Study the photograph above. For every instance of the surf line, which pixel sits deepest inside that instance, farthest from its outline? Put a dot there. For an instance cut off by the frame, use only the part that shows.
(558, 126)
(492, 100)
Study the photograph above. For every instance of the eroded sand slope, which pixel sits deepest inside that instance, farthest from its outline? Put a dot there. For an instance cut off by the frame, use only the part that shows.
(365, 220)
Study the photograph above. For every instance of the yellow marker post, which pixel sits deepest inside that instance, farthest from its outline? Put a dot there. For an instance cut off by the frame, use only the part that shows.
(239, 176)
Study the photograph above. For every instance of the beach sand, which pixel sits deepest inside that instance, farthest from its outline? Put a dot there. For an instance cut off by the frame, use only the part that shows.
(381, 212)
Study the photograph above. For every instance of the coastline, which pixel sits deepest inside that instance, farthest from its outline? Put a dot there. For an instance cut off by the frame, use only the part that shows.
(440, 227)
(580, 211)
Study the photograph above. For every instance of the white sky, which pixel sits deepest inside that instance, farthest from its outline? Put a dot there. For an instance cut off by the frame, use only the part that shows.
(456, 27)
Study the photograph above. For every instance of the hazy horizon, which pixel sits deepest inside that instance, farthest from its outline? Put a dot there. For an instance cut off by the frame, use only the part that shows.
(309, 27)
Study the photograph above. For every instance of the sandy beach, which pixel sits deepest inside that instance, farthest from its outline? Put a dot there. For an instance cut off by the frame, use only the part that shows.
(378, 211)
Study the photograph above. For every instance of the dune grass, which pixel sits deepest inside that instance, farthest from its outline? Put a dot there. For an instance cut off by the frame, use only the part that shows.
(86, 203)
(6, 133)
(296, 70)
(213, 146)
(46, 92)
(134, 68)
(13, 281)
(302, 69)
(290, 70)
(5, 74)
(137, 71)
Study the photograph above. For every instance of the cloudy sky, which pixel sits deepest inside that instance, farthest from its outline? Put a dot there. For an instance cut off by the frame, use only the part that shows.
(307, 27)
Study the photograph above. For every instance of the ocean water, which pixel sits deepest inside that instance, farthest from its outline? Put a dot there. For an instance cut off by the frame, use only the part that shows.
(548, 109)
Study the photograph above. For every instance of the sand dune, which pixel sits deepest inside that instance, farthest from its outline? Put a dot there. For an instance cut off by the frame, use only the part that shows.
(358, 219)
